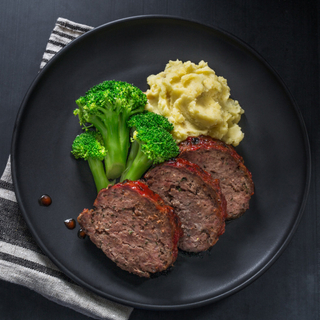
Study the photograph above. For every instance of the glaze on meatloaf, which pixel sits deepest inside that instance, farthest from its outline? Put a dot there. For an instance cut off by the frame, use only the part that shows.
(223, 163)
(134, 227)
(196, 199)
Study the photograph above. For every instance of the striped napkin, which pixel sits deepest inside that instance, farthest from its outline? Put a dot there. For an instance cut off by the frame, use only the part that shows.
(21, 260)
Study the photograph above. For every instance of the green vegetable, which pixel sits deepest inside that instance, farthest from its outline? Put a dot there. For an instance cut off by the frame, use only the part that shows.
(89, 146)
(108, 106)
(150, 120)
(145, 120)
(151, 144)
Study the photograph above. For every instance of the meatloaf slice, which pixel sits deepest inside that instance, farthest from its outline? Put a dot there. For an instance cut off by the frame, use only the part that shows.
(134, 228)
(223, 163)
(196, 199)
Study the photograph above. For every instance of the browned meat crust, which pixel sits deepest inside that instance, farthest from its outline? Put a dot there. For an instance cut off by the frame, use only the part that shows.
(223, 163)
(196, 199)
(134, 228)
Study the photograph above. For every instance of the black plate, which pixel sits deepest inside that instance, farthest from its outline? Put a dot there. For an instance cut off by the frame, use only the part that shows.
(275, 150)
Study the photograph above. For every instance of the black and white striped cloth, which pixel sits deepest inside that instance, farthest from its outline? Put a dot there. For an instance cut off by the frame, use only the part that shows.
(21, 260)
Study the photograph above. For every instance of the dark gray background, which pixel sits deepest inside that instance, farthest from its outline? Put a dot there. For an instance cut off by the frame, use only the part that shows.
(285, 33)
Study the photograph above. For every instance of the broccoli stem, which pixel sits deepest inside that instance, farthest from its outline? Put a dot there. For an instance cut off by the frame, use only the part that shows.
(139, 165)
(133, 153)
(98, 173)
(115, 135)
(118, 143)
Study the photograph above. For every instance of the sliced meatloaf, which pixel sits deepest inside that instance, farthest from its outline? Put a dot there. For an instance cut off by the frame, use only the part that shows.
(134, 227)
(196, 199)
(223, 163)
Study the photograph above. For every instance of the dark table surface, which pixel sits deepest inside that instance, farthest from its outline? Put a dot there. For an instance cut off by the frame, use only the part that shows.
(285, 33)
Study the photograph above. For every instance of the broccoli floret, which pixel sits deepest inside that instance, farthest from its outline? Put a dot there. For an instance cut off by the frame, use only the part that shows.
(146, 120)
(151, 144)
(89, 146)
(150, 120)
(108, 106)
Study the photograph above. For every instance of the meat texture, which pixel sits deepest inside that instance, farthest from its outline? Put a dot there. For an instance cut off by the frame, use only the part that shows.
(196, 199)
(223, 163)
(134, 228)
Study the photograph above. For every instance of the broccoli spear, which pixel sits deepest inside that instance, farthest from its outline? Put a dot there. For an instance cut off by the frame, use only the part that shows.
(88, 146)
(145, 120)
(152, 143)
(108, 106)
(149, 119)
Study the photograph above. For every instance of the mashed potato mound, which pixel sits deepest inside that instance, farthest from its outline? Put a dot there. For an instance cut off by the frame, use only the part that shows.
(196, 101)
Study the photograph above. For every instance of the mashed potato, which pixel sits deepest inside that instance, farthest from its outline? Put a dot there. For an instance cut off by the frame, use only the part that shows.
(196, 101)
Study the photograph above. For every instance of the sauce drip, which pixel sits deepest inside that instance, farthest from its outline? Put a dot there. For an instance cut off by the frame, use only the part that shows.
(45, 200)
(81, 234)
(70, 223)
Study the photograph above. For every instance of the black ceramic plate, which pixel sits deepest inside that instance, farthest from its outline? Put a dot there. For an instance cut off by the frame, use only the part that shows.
(275, 150)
